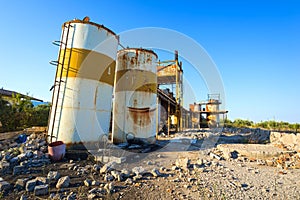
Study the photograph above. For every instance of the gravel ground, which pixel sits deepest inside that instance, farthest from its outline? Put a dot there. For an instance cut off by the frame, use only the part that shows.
(181, 169)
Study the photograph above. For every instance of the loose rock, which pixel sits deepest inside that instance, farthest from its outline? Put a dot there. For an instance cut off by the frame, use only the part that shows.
(41, 180)
(19, 169)
(129, 181)
(107, 167)
(63, 182)
(71, 196)
(92, 196)
(87, 182)
(126, 173)
(155, 172)
(138, 170)
(95, 183)
(109, 188)
(41, 190)
(4, 186)
(23, 197)
(108, 177)
(183, 163)
(53, 175)
(21, 183)
(30, 185)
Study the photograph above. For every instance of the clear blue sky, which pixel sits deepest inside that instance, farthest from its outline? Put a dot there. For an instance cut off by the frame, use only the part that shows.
(254, 44)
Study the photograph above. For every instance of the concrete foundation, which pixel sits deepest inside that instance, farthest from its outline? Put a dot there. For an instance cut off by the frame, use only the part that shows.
(258, 151)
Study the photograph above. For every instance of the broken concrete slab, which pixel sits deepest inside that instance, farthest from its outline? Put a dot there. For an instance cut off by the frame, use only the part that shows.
(107, 159)
(261, 151)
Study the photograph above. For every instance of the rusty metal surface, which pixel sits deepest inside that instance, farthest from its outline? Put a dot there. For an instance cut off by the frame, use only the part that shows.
(212, 107)
(143, 80)
(91, 23)
(166, 70)
(148, 52)
(135, 92)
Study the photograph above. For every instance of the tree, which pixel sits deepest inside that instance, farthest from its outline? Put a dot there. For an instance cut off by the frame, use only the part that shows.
(40, 115)
(6, 115)
(22, 114)
(242, 123)
(226, 122)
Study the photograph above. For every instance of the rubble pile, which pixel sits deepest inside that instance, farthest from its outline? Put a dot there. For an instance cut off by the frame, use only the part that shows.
(289, 141)
(19, 158)
(25, 160)
(285, 161)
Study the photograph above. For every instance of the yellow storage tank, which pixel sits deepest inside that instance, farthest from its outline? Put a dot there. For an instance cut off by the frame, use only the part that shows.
(82, 97)
(135, 93)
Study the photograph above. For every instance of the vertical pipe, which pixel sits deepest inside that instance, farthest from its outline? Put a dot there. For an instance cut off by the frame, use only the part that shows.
(168, 118)
(157, 117)
(177, 94)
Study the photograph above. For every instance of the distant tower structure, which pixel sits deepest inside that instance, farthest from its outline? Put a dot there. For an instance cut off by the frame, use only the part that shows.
(207, 113)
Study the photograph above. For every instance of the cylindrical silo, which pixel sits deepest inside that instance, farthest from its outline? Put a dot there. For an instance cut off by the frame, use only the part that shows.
(213, 117)
(197, 109)
(135, 93)
(82, 97)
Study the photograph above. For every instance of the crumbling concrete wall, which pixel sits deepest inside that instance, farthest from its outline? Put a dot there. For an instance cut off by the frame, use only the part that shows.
(259, 136)
(290, 140)
(247, 135)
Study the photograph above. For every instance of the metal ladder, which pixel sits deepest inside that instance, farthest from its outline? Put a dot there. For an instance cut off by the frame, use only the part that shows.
(60, 83)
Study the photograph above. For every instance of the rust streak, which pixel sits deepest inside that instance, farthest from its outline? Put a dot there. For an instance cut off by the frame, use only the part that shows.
(141, 116)
(91, 23)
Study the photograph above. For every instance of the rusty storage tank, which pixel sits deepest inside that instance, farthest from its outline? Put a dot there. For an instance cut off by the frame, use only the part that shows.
(212, 107)
(135, 93)
(197, 115)
(82, 96)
